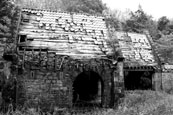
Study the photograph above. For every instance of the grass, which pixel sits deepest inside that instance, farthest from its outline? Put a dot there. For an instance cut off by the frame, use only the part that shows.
(135, 103)
(146, 103)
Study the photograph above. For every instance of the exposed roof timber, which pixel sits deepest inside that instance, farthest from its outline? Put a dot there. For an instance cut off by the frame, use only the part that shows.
(87, 42)
(139, 68)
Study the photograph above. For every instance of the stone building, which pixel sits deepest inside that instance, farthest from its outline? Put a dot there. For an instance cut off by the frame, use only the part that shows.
(64, 59)
(142, 67)
(167, 77)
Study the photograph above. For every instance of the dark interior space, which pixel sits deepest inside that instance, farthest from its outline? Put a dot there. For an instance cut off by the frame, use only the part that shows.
(87, 89)
(138, 80)
(22, 38)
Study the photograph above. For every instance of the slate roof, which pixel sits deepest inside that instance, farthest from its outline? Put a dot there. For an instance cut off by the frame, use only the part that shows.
(136, 49)
(167, 67)
(73, 34)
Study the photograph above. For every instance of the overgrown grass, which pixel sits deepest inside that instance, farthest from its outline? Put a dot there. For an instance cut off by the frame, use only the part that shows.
(146, 103)
(135, 103)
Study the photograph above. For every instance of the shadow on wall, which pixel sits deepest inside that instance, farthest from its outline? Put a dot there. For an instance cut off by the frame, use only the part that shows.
(87, 89)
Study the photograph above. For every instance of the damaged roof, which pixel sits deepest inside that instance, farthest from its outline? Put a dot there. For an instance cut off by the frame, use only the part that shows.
(73, 34)
(136, 48)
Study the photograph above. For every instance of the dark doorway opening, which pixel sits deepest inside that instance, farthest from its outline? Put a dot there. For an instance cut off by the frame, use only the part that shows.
(138, 80)
(87, 89)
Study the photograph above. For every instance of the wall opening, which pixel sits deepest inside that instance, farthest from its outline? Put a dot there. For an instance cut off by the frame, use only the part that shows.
(22, 38)
(138, 80)
(87, 89)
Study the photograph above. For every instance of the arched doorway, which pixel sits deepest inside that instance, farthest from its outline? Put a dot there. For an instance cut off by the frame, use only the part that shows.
(87, 89)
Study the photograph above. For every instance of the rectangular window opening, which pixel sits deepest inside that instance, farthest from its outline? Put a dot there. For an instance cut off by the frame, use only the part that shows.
(22, 38)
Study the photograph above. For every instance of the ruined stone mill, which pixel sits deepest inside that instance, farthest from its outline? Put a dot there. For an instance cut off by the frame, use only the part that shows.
(64, 59)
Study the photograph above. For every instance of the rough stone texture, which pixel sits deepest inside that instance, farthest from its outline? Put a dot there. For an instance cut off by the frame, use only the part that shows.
(54, 48)
(41, 86)
(167, 82)
(49, 88)
(157, 81)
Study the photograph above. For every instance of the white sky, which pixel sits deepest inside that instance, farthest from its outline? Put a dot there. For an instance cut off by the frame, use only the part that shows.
(156, 8)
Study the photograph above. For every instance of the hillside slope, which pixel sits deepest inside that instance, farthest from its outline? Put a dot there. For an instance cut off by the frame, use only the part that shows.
(165, 49)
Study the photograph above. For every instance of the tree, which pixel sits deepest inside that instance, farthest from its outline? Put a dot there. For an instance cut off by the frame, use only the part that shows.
(151, 26)
(112, 18)
(85, 6)
(8, 22)
(40, 4)
(163, 23)
(137, 22)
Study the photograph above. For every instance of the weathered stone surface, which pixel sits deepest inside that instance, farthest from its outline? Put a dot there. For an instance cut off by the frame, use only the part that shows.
(157, 81)
(167, 82)
(55, 47)
(56, 86)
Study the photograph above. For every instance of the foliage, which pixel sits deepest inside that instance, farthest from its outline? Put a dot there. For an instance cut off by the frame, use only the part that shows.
(163, 23)
(112, 18)
(8, 16)
(165, 42)
(8, 29)
(134, 103)
(85, 6)
(8, 23)
(114, 45)
(40, 4)
(113, 24)
(137, 21)
(145, 103)
(152, 29)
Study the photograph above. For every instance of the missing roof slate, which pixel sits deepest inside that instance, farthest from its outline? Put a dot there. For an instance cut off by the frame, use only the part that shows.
(91, 31)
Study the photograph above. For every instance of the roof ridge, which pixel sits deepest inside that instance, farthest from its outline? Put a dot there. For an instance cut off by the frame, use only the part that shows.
(60, 11)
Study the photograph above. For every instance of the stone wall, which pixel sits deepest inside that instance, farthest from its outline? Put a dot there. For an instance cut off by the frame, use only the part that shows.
(163, 81)
(157, 81)
(46, 40)
(49, 88)
(167, 82)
